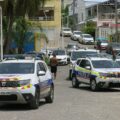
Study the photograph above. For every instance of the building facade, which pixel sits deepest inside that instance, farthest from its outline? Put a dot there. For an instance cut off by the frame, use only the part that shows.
(102, 13)
(47, 20)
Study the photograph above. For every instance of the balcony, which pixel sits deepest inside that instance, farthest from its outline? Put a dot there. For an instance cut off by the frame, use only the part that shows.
(108, 16)
(41, 18)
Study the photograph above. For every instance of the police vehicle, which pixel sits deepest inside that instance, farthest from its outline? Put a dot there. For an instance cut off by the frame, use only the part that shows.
(75, 54)
(25, 81)
(98, 72)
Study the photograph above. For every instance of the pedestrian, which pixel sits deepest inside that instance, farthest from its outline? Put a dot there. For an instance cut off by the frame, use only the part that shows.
(53, 65)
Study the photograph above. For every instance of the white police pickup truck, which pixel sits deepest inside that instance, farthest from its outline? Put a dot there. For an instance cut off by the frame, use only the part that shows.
(26, 82)
(98, 72)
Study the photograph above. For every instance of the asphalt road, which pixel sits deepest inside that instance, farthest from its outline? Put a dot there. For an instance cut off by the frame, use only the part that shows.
(67, 40)
(69, 104)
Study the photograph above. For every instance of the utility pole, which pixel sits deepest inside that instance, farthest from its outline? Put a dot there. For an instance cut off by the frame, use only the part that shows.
(1, 34)
(116, 22)
(45, 11)
(74, 13)
(62, 16)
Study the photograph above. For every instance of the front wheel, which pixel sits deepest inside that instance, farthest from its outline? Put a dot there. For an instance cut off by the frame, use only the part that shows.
(50, 97)
(34, 104)
(75, 82)
(93, 85)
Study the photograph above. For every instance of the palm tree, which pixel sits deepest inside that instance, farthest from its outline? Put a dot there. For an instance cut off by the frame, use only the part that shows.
(20, 28)
(16, 8)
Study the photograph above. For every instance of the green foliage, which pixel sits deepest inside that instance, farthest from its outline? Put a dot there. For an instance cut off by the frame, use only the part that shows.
(13, 9)
(65, 15)
(90, 28)
(20, 28)
(71, 22)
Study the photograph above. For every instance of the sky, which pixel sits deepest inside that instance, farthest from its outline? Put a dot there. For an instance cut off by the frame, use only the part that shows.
(99, 0)
(96, 0)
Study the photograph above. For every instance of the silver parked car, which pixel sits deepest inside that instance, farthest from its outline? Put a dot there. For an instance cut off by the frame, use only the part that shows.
(86, 39)
(76, 35)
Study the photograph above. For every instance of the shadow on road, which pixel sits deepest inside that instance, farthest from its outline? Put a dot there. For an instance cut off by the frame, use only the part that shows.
(18, 107)
(87, 88)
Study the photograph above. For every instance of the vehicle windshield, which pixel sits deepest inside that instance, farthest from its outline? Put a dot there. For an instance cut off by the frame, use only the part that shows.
(118, 62)
(71, 46)
(16, 68)
(104, 41)
(67, 29)
(80, 54)
(59, 52)
(77, 33)
(105, 64)
(115, 45)
(87, 36)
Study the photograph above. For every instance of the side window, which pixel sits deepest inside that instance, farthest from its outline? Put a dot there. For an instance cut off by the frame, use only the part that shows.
(38, 67)
(42, 67)
(78, 62)
(82, 64)
(87, 63)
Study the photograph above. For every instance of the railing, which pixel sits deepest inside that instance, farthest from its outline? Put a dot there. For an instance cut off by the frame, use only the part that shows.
(108, 16)
(49, 18)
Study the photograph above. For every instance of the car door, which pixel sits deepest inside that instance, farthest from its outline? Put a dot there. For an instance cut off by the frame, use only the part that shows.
(44, 81)
(84, 71)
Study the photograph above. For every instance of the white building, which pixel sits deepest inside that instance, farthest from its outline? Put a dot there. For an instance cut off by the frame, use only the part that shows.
(100, 11)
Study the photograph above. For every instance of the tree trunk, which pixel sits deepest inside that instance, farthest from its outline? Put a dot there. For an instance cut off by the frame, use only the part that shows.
(8, 38)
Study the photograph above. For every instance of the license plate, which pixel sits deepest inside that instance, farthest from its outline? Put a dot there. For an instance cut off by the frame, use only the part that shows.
(4, 93)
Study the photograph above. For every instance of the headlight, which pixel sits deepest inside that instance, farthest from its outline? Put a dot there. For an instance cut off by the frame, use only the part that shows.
(64, 59)
(24, 82)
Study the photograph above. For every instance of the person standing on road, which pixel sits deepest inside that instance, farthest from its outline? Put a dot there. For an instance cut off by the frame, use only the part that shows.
(53, 65)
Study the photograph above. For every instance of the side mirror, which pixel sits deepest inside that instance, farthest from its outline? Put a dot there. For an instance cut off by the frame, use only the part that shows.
(41, 73)
(68, 59)
(88, 67)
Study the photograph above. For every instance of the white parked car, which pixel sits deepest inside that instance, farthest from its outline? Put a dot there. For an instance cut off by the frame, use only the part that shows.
(76, 35)
(47, 51)
(86, 39)
(66, 32)
(62, 56)
(25, 82)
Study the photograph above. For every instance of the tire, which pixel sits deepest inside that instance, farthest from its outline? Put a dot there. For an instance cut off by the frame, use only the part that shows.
(70, 74)
(75, 83)
(93, 85)
(50, 97)
(34, 104)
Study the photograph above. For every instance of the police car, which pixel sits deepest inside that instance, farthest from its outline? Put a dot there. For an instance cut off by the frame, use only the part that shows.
(98, 72)
(26, 82)
(75, 54)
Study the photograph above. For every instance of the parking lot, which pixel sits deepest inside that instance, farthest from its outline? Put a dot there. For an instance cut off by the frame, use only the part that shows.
(69, 103)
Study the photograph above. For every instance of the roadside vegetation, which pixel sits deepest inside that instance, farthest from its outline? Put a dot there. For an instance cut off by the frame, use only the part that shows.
(15, 13)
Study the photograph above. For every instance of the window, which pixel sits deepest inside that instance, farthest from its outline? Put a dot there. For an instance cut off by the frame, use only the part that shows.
(44, 14)
(38, 67)
(84, 63)
(78, 62)
(42, 67)
(17, 68)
